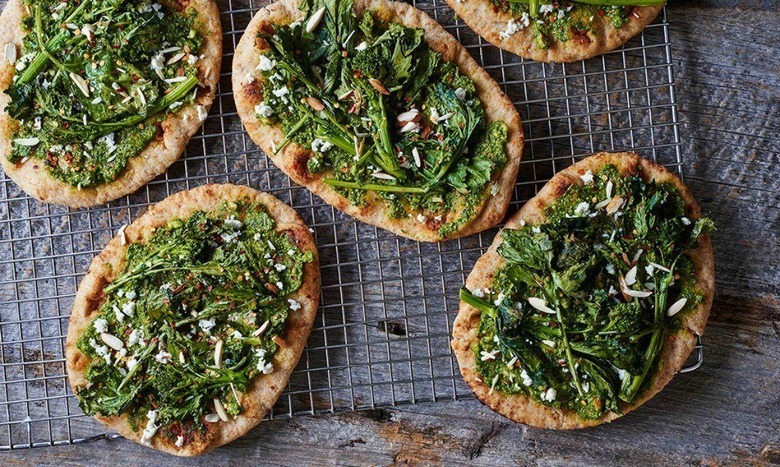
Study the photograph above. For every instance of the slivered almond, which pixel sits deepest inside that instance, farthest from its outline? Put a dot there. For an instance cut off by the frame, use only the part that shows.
(376, 84)
(314, 103)
(218, 354)
(27, 141)
(383, 176)
(676, 307)
(614, 205)
(279, 341)
(412, 115)
(658, 266)
(630, 278)
(80, 83)
(609, 188)
(112, 341)
(220, 410)
(601, 204)
(175, 58)
(211, 418)
(261, 329)
(541, 305)
(315, 19)
(122, 236)
(416, 155)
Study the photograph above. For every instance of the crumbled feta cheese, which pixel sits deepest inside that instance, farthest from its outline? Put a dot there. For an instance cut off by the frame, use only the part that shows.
(622, 374)
(128, 308)
(231, 238)
(527, 381)
(280, 285)
(263, 366)
(264, 110)
(283, 91)
(101, 350)
(101, 325)
(685, 221)
(485, 356)
(546, 8)
(233, 223)
(515, 25)
(321, 146)
(361, 47)
(549, 395)
(266, 64)
(294, 305)
(207, 324)
(582, 208)
(163, 357)
(421, 219)
(280, 267)
(151, 428)
(479, 293)
(587, 177)
(131, 363)
(180, 441)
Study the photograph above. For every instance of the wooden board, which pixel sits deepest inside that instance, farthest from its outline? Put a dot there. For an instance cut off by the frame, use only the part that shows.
(728, 412)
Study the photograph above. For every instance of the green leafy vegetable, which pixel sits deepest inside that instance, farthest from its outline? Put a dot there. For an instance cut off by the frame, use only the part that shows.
(577, 316)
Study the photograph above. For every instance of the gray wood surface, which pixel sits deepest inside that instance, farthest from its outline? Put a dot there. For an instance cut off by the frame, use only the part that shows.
(728, 72)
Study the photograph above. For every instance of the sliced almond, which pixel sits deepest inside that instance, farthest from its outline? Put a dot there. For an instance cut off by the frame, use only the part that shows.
(601, 204)
(315, 103)
(376, 84)
(637, 255)
(614, 204)
(211, 418)
(676, 307)
(609, 188)
(408, 116)
(261, 329)
(637, 293)
(416, 155)
(658, 266)
(112, 341)
(220, 410)
(175, 58)
(315, 19)
(383, 176)
(630, 278)
(410, 126)
(218, 353)
(122, 236)
(27, 141)
(80, 83)
(541, 305)
(279, 341)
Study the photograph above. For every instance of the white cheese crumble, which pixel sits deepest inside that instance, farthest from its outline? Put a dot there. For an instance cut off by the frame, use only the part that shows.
(283, 91)
(582, 208)
(549, 395)
(526, 379)
(180, 441)
(294, 305)
(266, 64)
(101, 350)
(163, 357)
(101, 325)
(280, 267)
(264, 110)
(233, 223)
(263, 366)
(361, 47)
(587, 177)
(151, 428)
(515, 25)
(485, 356)
(207, 325)
(321, 146)
(546, 8)
(128, 308)
(479, 293)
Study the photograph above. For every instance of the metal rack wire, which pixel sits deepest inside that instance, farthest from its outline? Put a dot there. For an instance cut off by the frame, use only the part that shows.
(382, 335)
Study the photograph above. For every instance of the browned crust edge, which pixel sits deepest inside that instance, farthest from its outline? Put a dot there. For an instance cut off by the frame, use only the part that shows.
(488, 23)
(264, 389)
(292, 159)
(677, 346)
(177, 129)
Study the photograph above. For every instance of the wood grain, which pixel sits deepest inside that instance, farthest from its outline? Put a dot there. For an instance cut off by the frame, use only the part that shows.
(728, 412)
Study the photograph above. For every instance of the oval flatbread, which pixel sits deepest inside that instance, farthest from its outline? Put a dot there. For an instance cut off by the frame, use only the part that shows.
(510, 33)
(263, 389)
(676, 348)
(174, 131)
(292, 159)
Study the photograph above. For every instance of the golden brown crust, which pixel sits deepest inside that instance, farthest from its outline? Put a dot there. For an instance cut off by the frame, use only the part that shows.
(486, 21)
(264, 389)
(292, 159)
(678, 345)
(177, 129)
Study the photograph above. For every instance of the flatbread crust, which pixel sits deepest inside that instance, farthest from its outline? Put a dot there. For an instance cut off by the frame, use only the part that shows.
(264, 389)
(483, 18)
(677, 346)
(292, 159)
(177, 129)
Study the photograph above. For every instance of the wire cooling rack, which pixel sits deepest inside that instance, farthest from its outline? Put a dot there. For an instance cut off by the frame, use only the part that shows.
(382, 334)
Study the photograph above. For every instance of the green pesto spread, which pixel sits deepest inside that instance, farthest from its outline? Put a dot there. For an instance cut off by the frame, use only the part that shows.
(94, 79)
(565, 20)
(387, 119)
(577, 316)
(193, 316)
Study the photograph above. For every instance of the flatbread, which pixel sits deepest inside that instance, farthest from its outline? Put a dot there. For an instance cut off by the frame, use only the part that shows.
(486, 21)
(264, 389)
(177, 129)
(292, 158)
(677, 346)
